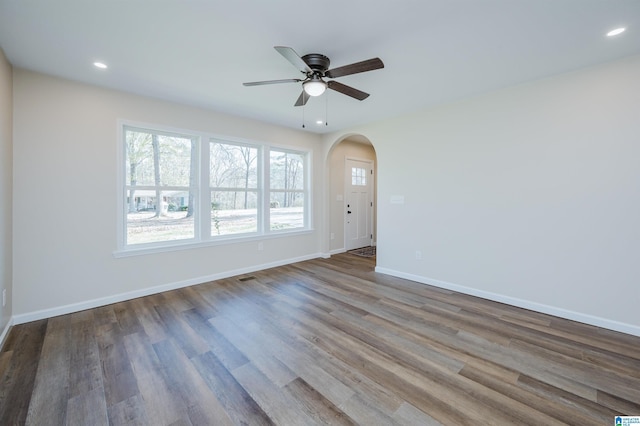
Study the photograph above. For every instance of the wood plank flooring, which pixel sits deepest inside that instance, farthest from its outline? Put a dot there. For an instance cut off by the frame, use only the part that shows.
(317, 342)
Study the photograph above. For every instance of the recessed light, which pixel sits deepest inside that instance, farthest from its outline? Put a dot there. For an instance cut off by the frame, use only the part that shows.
(615, 32)
(100, 65)
(319, 121)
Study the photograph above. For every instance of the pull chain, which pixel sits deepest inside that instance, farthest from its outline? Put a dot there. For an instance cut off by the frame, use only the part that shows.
(303, 107)
(326, 108)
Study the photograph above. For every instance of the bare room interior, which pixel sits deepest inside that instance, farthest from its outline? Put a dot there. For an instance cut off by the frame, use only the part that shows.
(293, 213)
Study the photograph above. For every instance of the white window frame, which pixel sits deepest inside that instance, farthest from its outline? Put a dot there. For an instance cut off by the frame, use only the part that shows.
(202, 222)
(260, 188)
(306, 191)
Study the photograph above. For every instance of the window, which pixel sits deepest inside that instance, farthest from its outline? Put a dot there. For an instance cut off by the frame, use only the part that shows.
(287, 189)
(160, 187)
(182, 188)
(235, 193)
(358, 176)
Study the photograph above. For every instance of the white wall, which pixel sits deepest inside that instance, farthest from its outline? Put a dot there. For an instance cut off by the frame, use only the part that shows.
(65, 195)
(528, 195)
(336, 163)
(6, 179)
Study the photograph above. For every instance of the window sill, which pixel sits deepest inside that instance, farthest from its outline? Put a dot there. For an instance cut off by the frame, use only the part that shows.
(129, 252)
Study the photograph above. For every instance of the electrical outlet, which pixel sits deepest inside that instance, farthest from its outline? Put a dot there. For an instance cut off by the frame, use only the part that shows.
(418, 255)
(260, 246)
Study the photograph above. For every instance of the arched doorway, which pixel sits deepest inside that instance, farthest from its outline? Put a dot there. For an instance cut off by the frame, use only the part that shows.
(352, 189)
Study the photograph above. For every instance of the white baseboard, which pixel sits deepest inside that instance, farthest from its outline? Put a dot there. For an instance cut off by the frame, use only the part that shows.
(94, 303)
(520, 303)
(337, 251)
(5, 331)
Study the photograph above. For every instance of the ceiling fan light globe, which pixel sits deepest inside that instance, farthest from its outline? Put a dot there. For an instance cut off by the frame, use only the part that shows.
(314, 88)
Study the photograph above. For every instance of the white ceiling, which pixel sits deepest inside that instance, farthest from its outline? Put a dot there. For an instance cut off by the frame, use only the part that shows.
(200, 52)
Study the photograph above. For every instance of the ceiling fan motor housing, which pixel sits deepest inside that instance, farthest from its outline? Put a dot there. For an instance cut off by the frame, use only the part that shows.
(317, 62)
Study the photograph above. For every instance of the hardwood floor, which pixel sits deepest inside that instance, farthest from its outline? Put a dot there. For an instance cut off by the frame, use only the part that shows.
(317, 342)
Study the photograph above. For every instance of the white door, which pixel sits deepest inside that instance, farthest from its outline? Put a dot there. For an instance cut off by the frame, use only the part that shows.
(358, 203)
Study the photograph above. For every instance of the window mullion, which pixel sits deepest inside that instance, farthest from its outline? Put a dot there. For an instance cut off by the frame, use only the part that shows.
(266, 185)
(205, 190)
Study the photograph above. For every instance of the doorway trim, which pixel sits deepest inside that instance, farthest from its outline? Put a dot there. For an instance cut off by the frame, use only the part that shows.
(330, 144)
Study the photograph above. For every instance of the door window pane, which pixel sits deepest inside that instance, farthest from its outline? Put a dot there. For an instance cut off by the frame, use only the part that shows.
(358, 176)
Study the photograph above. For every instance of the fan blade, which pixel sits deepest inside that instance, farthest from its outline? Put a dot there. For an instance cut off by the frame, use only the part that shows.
(260, 83)
(302, 99)
(368, 65)
(347, 90)
(291, 56)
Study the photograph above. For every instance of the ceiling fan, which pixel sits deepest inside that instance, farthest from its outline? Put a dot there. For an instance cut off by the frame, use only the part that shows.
(315, 67)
